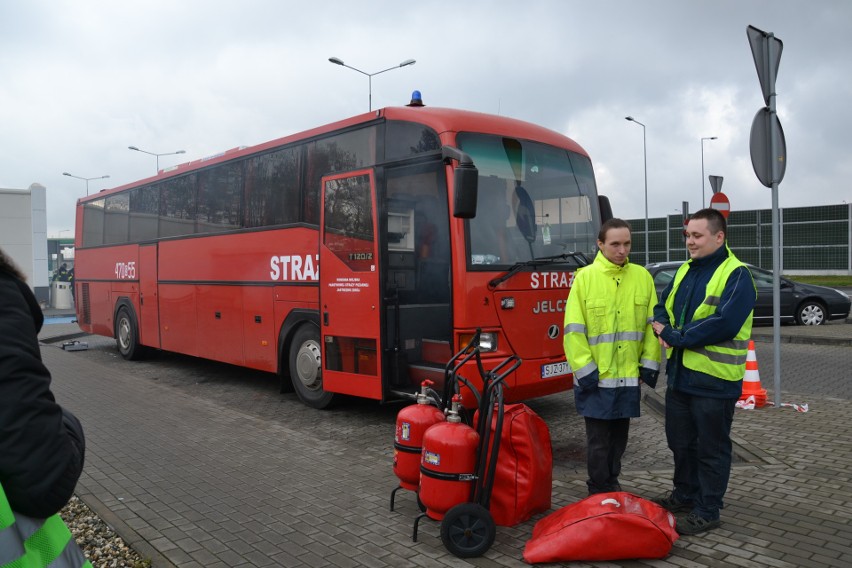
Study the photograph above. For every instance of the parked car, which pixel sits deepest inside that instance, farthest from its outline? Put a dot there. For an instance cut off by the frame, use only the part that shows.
(803, 304)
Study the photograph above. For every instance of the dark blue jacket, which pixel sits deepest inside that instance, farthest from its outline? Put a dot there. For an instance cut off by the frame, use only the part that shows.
(736, 304)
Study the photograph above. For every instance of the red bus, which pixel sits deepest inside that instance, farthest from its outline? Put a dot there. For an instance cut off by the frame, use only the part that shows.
(428, 223)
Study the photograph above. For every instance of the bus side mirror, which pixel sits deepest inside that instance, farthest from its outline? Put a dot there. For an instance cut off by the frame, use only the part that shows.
(605, 208)
(465, 182)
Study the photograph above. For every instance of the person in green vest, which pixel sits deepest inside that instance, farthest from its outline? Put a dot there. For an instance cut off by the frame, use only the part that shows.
(611, 350)
(703, 319)
(42, 446)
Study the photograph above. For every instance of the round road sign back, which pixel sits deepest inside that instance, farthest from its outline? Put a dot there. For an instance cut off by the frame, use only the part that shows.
(762, 160)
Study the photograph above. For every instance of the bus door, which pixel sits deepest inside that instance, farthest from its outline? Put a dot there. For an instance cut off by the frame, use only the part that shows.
(416, 242)
(149, 300)
(350, 295)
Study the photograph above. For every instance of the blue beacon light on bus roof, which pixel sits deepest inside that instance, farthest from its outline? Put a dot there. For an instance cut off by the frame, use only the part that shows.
(416, 100)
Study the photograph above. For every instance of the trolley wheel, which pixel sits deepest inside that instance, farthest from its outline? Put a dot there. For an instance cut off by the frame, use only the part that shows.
(468, 530)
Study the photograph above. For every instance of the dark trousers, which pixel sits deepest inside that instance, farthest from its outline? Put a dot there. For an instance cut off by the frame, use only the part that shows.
(698, 430)
(606, 441)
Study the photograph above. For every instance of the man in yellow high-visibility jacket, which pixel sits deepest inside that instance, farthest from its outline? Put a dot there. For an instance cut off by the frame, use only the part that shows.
(704, 321)
(611, 349)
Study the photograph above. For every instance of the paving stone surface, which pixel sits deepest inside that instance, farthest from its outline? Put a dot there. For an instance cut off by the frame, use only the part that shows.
(199, 464)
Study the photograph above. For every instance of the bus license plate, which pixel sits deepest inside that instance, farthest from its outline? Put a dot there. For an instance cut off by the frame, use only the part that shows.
(555, 370)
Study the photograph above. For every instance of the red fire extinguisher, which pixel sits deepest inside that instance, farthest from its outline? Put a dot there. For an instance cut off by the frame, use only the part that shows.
(458, 468)
(448, 464)
(411, 424)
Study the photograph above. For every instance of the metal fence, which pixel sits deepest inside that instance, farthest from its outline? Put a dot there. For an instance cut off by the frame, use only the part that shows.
(814, 240)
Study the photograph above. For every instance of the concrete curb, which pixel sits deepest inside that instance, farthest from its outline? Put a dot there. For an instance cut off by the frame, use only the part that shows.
(127, 533)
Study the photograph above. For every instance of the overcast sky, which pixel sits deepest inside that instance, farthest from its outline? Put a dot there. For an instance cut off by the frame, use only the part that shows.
(80, 81)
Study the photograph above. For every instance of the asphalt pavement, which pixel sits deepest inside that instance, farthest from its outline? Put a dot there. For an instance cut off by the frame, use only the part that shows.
(199, 464)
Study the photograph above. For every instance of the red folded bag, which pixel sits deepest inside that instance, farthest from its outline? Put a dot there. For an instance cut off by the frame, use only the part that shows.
(605, 526)
(523, 479)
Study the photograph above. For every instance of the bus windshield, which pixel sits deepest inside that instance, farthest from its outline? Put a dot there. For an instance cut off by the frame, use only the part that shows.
(534, 201)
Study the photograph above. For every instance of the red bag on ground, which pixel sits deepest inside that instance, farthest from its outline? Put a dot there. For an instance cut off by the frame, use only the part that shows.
(523, 480)
(606, 526)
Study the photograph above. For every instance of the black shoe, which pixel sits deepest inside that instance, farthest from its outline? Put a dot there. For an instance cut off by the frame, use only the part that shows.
(693, 524)
(672, 504)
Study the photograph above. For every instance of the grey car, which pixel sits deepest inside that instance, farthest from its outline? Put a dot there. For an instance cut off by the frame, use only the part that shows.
(803, 304)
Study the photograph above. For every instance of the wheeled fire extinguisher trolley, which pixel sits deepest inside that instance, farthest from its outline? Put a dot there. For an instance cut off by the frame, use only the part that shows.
(430, 408)
(459, 462)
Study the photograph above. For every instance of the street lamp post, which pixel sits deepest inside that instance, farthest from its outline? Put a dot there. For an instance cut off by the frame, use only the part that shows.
(645, 156)
(340, 62)
(157, 154)
(87, 180)
(702, 167)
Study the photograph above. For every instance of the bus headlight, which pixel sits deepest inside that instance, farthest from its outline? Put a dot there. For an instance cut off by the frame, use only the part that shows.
(487, 341)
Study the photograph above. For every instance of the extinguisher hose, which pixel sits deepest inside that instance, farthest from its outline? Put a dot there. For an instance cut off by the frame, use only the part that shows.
(490, 445)
(453, 378)
(495, 452)
(435, 397)
(492, 397)
(455, 363)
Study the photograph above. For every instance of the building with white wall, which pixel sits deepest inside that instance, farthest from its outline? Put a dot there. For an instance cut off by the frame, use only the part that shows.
(23, 234)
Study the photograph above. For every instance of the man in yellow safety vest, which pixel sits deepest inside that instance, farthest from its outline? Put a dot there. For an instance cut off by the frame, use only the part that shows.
(704, 321)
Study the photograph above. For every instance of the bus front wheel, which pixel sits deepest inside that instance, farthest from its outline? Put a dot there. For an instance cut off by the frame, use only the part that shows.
(306, 367)
(127, 335)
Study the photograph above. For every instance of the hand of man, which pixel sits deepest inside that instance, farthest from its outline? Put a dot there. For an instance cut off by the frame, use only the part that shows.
(658, 328)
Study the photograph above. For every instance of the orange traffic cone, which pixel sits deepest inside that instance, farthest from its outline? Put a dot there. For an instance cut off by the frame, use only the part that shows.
(751, 381)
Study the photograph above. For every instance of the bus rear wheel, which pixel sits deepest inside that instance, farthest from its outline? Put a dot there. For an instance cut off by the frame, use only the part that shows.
(306, 367)
(127, 335)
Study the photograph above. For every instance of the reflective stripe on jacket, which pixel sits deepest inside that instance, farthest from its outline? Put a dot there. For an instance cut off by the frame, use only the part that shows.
(725, 360)
(607, 337)
(26, 542)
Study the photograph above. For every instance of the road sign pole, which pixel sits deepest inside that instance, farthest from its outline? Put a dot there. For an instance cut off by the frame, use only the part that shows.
(777, 259)
(766, 49)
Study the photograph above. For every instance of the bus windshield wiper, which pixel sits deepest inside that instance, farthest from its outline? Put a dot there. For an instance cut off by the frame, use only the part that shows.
(579, 257)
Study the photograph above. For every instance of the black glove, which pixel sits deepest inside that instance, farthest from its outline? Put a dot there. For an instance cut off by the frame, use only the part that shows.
(649, 376)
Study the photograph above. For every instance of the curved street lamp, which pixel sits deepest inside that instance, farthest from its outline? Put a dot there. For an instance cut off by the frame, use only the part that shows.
(702, 167)
(645, 154)
(340, 62)
(87, 180)
(156, 154)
